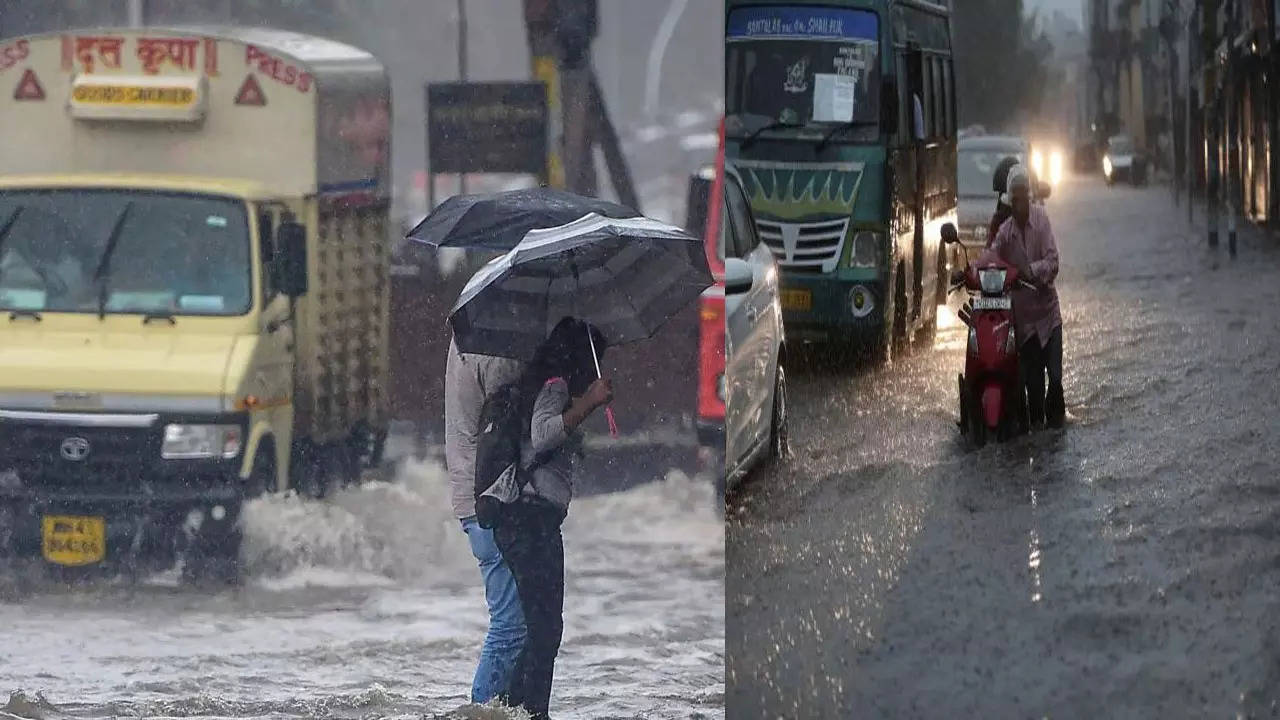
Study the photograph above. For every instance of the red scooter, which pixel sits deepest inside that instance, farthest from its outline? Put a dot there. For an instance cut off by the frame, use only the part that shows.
(993, 400)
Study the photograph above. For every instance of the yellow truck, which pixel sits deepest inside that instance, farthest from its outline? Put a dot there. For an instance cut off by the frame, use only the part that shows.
(193, 287)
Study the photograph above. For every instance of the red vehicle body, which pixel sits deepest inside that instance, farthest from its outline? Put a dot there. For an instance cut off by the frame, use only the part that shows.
(992, 397)
(711, 340)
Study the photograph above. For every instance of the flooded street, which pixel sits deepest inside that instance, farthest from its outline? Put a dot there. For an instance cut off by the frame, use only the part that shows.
(370, 606)
(1127, 566)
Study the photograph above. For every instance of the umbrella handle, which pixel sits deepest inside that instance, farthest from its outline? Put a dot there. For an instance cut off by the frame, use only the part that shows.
(608, 411)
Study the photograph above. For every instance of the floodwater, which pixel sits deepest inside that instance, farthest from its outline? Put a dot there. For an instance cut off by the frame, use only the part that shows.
(369, 605)
(1127, 566)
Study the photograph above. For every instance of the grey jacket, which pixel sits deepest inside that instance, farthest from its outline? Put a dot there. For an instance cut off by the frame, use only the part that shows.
(552, 479)
(468, 380)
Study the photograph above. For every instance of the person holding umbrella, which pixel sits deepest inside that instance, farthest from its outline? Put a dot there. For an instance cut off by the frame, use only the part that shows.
(560, 390)
(575, 276)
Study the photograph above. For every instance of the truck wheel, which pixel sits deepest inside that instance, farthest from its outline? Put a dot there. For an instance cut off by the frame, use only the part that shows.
(325, 470)
(901, 335)
(262, 475)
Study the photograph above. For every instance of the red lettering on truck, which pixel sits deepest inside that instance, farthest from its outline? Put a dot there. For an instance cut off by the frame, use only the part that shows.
(13, 54)
(277, 69)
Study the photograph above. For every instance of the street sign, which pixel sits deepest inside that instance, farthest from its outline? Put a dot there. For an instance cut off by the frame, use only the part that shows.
(493, 127)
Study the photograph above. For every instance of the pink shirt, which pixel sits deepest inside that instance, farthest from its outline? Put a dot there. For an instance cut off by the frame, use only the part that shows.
(1035, 311)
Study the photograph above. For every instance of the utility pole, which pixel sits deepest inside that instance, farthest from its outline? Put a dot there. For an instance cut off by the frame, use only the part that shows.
(462, 71)
(137, 13)
(1212, 100)
(560, 37)
(1169, 30)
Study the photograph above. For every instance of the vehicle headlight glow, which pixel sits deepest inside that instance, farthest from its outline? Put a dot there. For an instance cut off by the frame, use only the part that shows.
(866, 249)
(1055, 167)
(1037, 163)
(992, 281)
(861, 301)
(1106, 165)
(188, 442)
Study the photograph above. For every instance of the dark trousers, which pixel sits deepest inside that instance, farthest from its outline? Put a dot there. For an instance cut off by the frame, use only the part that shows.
(1038, 361)
(529, 537)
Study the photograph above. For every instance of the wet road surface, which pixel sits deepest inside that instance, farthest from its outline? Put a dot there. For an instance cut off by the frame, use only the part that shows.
(370, 606)
(1126, 566)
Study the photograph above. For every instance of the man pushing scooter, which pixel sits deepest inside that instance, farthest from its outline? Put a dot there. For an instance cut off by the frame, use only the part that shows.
(1025, 240)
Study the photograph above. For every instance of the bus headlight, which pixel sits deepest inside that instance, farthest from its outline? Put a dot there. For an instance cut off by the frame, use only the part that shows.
(866, 249)
(189, 442)
(861, 301)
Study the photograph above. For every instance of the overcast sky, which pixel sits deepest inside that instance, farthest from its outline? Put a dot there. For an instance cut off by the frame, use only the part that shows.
(1070, 7)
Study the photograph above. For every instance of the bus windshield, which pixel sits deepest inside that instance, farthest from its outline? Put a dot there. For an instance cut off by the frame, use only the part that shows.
(803, 65)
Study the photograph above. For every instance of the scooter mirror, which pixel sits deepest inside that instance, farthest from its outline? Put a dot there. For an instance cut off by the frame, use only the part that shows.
(949, 234)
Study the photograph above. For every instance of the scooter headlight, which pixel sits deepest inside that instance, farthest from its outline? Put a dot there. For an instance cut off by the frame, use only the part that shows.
(1011, 342)
(973, 341)
(992, 281)
(1106, 166)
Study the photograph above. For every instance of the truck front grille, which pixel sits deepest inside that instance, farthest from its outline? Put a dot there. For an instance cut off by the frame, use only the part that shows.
(36, 451)
(805, 247)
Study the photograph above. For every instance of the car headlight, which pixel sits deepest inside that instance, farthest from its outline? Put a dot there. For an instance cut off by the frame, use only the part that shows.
(992, 281)
(1106, 165)
(720, 387)
(861, 301)
(188, 442)
(866, 249)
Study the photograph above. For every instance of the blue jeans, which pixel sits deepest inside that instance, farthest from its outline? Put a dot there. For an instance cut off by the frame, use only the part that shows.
(505, 639)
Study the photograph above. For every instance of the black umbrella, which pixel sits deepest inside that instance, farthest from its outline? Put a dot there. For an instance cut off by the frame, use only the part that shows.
(498, 221)
(626, 277)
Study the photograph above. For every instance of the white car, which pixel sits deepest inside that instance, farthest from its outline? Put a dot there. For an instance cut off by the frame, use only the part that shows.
(755, 380)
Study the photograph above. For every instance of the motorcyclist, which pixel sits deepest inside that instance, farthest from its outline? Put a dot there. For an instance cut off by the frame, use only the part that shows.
(1025, 240)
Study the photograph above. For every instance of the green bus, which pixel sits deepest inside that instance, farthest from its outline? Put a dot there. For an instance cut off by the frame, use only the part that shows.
(841, 121)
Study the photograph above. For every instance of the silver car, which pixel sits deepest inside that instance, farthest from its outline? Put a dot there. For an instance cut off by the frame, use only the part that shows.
(976, 161)
(755, 379)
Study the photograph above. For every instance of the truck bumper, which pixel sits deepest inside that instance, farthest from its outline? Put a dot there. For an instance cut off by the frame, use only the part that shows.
(121, 503)
(137, 529)
(830, 315)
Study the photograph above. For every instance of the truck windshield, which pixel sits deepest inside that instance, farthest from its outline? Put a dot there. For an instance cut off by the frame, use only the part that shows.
(175, 254)
(806, 65)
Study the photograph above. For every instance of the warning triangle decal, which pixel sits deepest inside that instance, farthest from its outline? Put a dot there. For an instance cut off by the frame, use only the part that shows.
(28, 87)
(250, 92)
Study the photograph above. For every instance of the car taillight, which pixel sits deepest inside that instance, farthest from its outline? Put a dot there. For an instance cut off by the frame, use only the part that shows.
(711, 355)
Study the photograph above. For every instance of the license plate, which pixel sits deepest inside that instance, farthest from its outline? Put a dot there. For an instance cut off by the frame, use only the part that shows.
(73, 539)
(992, 303)
(797, 300)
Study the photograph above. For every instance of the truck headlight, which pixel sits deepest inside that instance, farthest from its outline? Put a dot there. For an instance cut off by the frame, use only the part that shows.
(866, 249)
(861, 301)
(188, 442)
